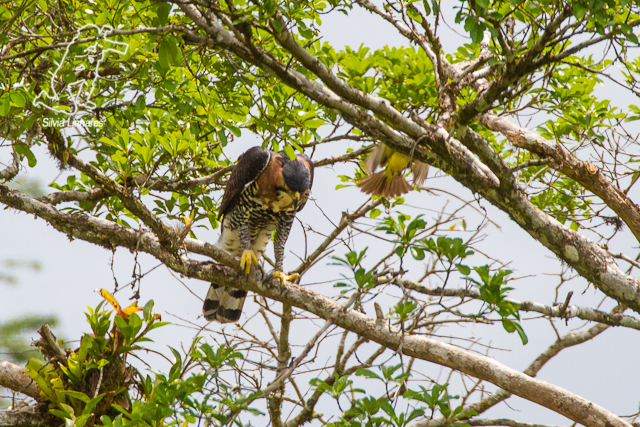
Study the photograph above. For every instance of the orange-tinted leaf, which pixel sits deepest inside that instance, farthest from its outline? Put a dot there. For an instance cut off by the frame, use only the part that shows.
(132, 309)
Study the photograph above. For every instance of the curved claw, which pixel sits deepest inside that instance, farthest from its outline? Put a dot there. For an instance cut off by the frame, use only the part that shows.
(284, 277)
(248, 257)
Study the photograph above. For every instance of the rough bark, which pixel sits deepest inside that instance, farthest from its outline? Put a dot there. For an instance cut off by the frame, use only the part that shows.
(32, 416)
(584, 172)
(13, 377)
(485, 174)
(109, 234)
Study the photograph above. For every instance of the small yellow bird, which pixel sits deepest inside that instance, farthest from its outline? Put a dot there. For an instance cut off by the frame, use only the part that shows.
(390, 182)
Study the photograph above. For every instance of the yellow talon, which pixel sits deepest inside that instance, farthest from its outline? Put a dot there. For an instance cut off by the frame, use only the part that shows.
(286, 278)
(248, 257)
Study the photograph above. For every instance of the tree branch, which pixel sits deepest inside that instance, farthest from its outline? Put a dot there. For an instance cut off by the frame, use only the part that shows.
(74, 196)
(10, 172)
(110, 234)
(567, 341)
(585, 173)
(559, 311)
(32, 416)
(13, 377)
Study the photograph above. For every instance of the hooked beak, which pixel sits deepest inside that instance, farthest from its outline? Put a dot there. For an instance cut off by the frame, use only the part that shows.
(296, 199)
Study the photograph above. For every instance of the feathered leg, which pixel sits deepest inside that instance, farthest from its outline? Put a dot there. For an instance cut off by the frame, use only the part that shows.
(248, 256)
(283, 229)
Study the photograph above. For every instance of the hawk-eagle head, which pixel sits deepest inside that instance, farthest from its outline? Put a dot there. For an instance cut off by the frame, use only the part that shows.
(296, 177)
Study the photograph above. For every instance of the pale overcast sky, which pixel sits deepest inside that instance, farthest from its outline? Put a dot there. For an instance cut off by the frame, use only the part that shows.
(604, 370)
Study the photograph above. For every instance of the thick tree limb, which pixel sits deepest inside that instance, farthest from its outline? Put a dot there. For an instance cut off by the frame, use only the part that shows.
(13, 377)
(567, 341)
(74, 196)
(585, 173)
(110, 234)
(591, 261)
(32, 416)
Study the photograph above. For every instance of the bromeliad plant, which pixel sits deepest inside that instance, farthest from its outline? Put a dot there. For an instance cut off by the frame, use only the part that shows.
(93, 380)
(95, 384)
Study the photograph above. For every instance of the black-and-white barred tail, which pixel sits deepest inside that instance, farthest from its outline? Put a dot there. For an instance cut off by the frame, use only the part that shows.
(223, 304)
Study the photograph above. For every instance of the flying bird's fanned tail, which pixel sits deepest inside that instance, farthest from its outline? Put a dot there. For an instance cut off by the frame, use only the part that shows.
(380, 185)
(391, 182)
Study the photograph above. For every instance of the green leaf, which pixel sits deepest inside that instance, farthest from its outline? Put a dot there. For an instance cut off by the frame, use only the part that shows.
(147, 312)
(521, 333)
(164, 53)
(18, 99)
(579, 9)
(26, 151)
(235, 130)
(76, 394)
(362, 372)
(92, 404)
(163, 13)
(58, 413)
(5, 105)
(175, 54)
(417, 253)
(289, 152)
(414, 15)
(121, 410)
(141, 103)
(82, 420)
(463, 269)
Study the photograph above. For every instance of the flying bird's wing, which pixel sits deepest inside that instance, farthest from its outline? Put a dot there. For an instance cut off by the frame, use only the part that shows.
(376, 158)
(250, 165)
(420, 172)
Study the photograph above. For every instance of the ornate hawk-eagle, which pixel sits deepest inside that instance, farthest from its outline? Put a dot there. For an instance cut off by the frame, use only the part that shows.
(264, 193)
